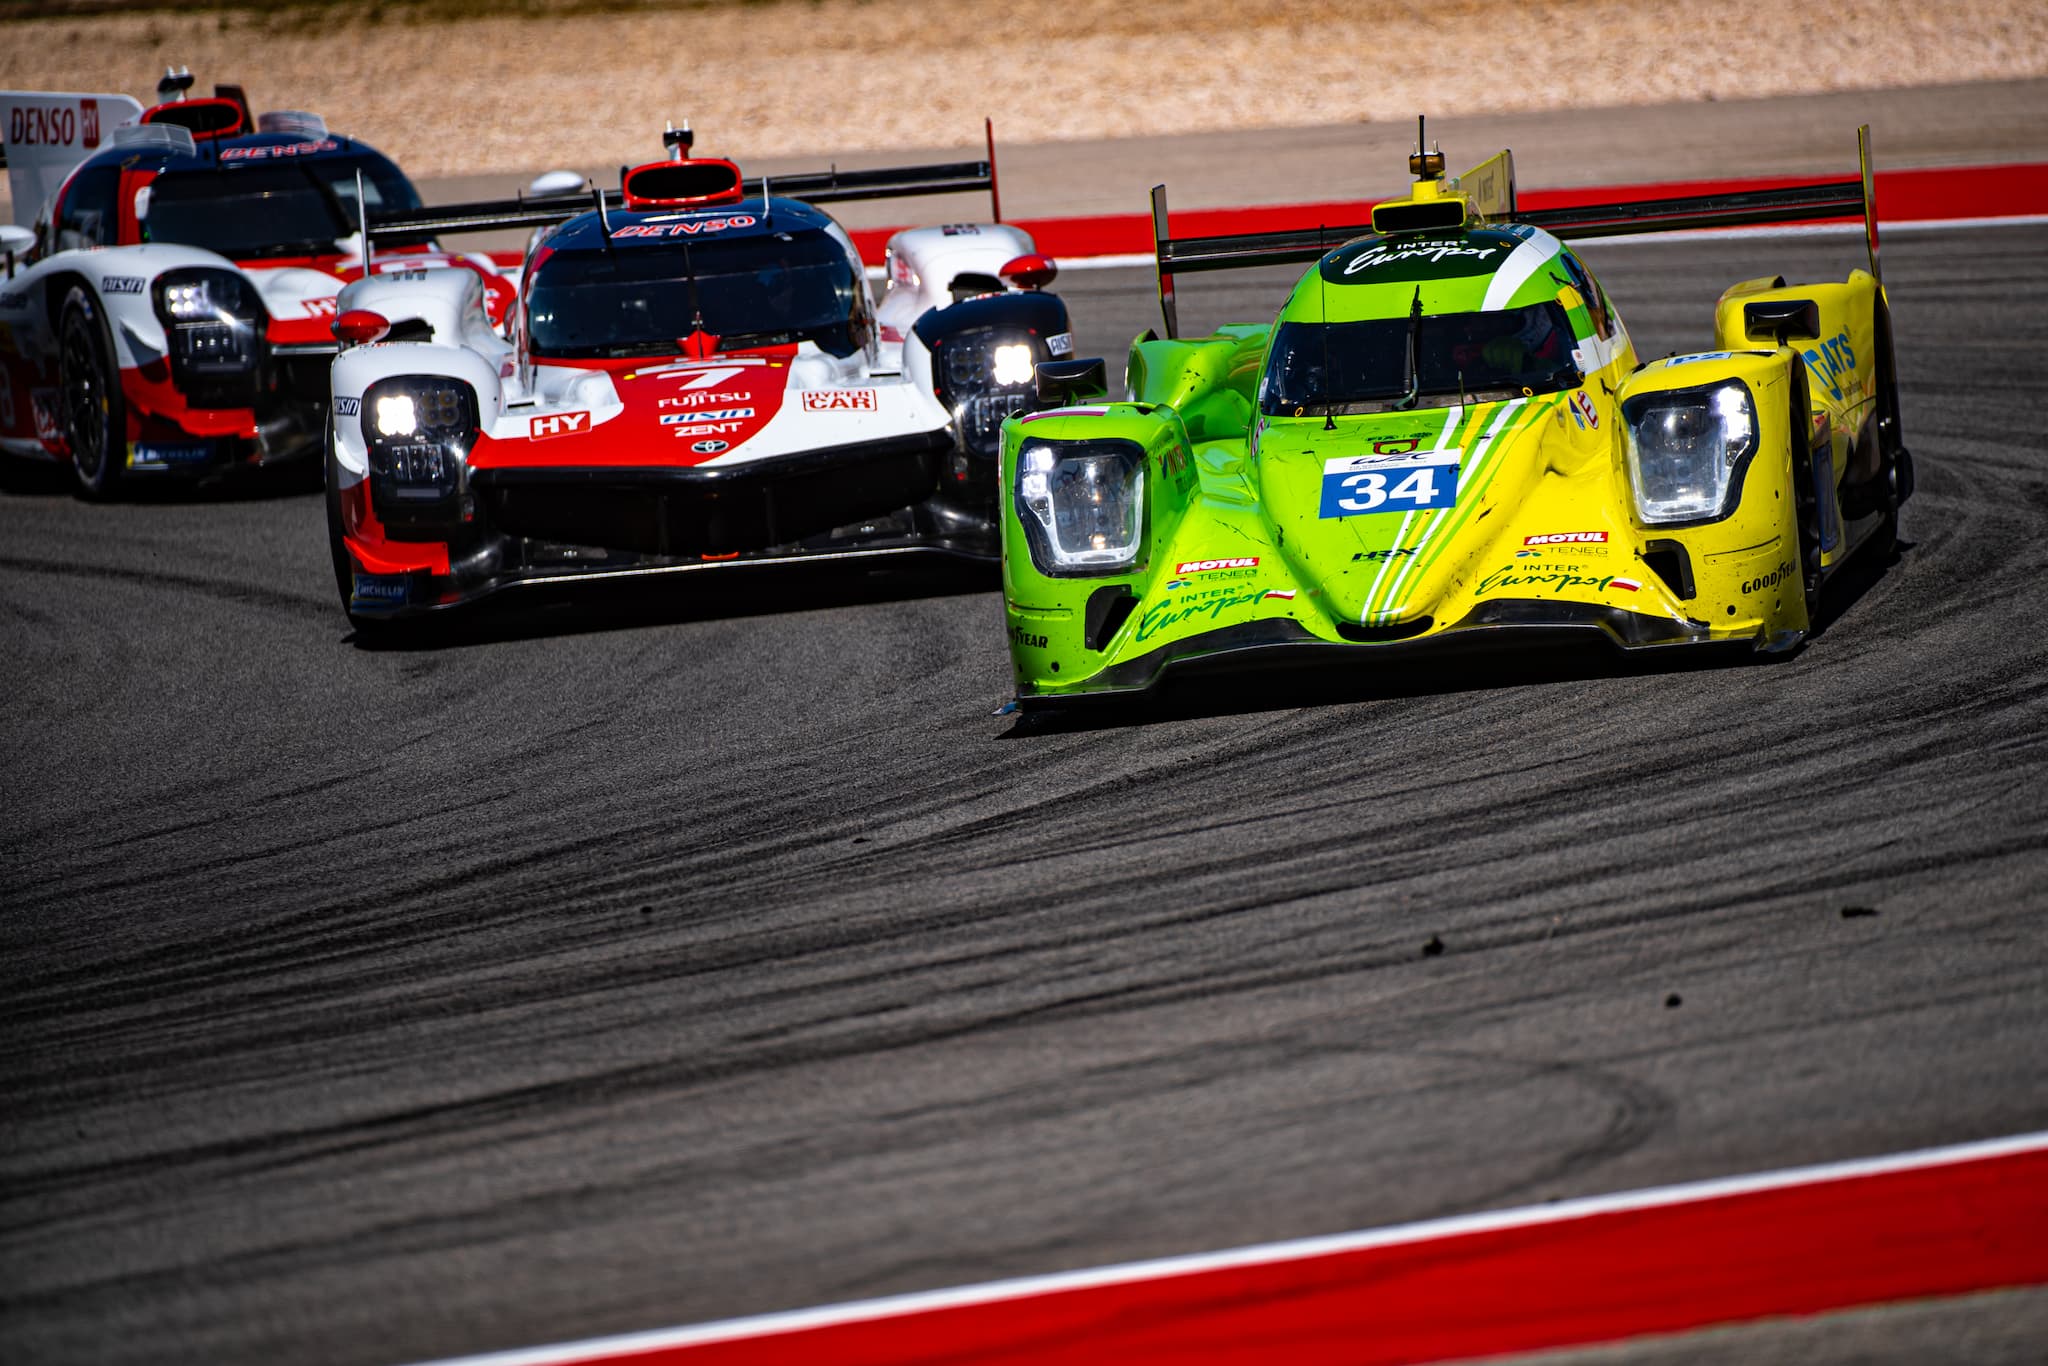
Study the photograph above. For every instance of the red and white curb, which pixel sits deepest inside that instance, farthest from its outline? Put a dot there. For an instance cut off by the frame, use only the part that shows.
(1909, 199)
(1935, 1223)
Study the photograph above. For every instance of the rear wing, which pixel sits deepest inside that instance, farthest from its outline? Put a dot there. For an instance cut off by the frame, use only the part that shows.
(1740, 208)
(44, 134)
(830, 186)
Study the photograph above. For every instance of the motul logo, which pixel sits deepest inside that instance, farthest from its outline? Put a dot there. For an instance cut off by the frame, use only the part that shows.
(560, 424)
(1204, 566)
(1567, 538)
(822, 400)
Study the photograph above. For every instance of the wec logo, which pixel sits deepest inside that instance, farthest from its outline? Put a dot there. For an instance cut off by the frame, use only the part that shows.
(558, 424)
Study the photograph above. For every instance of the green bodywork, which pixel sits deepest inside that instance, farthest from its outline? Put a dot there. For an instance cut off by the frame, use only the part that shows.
(1240, 551)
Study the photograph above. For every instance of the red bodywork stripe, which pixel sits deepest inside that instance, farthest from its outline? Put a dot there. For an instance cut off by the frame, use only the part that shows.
(151, 394)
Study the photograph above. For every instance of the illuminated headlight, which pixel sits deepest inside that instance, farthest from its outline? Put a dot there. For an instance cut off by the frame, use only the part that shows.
(1013, 364)
(985, 376)
(1686, 448)
(420, 429)
(214, 325)
(396, 416)
(1082, 504)
(188, 303)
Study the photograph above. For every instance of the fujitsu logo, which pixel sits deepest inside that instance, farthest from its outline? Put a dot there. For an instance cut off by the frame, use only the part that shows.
(559, 424)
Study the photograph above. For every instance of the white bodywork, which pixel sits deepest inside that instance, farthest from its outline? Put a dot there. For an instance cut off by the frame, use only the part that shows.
(46, 136)
(522, 400)
(921, 265)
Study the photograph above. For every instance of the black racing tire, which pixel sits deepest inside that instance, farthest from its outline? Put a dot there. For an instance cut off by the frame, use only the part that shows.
(95, 410)
(369, 630)
(1895, 462)
(1805, 496)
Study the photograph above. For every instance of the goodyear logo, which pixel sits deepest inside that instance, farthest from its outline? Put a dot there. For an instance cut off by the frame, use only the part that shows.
(1777, 576)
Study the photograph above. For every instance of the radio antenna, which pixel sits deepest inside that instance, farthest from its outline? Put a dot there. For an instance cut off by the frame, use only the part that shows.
(363, 220)
(1323, 301)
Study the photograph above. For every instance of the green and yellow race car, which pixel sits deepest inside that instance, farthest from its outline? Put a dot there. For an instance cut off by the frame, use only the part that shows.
(1446, 440)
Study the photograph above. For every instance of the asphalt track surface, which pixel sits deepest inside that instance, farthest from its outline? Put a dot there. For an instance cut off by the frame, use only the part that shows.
(637, 959)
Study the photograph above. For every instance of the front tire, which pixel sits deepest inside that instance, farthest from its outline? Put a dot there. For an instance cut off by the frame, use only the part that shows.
(369, 630)
(95, 410)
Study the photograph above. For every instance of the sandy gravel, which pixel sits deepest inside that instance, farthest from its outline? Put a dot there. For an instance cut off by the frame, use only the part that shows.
(824, 76)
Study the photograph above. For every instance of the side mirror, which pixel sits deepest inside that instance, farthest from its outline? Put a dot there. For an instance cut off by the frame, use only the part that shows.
(1029, 272)
(1063, 381)
(1782, 320)
(553, 183)
(15, 239)
(360, 327)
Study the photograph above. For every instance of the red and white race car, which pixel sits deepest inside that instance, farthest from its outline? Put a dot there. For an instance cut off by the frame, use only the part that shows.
(696, 375)
(170, 311)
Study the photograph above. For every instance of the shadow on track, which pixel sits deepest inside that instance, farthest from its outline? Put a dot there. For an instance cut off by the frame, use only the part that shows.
(572, 608)
(50, 479)
(1285, 684)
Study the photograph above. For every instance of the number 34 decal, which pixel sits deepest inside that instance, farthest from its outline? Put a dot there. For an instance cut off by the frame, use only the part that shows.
(1412, 482)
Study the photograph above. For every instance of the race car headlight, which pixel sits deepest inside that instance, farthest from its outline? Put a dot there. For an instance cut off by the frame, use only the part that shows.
(1686, 449)
(213, 324)
(984, 376)
(1082, 504)
(419, 430)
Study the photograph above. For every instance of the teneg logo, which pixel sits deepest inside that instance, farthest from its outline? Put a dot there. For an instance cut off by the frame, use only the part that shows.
(559, 424)
(829, 400)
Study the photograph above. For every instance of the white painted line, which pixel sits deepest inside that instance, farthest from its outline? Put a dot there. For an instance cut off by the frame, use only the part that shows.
(564, 1354)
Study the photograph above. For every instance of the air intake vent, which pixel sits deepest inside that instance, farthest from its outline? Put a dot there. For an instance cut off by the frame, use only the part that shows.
(1425, 216)
(674, 184)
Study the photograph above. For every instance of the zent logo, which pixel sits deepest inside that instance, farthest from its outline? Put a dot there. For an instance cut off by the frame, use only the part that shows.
(830, 400)
(559, 424)
(1567, 538)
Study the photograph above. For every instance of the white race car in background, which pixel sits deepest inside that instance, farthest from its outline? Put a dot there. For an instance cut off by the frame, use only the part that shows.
(170, 310)
(696, 375)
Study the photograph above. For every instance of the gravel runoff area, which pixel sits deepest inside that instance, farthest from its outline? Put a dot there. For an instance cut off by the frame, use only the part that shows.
(797, 77)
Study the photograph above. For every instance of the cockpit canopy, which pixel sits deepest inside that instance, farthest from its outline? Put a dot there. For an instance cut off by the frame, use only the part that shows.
(641, 297)
(1364, 366)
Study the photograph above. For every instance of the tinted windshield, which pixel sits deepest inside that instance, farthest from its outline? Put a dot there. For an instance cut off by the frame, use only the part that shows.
(1364, 365)
(636, 299)
(249, 212)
